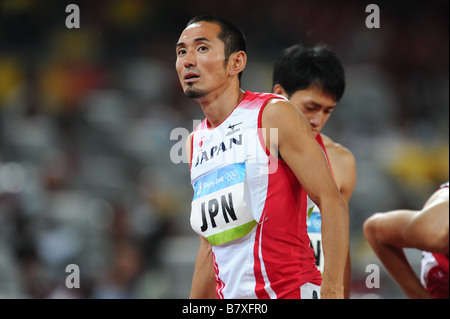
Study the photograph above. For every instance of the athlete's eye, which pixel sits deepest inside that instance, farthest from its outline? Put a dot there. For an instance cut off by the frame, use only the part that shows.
(181, 52)
(203, 48)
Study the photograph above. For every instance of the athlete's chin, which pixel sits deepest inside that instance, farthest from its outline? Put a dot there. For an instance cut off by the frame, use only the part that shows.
(194, 93)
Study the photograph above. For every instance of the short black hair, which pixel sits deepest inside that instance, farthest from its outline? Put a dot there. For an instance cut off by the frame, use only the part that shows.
(232, 37)
(299, 67)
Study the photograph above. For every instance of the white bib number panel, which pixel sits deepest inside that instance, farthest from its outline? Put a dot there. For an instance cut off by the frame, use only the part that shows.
(218, 210)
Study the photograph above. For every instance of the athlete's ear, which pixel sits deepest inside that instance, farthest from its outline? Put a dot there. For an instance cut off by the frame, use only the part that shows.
(237, 62)
(278, 89)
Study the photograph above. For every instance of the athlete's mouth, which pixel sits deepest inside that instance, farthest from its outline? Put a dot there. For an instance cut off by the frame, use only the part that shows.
(191, 76)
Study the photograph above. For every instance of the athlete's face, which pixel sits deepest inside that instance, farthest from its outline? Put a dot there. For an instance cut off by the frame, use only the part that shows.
(315, 104)
(200, 59)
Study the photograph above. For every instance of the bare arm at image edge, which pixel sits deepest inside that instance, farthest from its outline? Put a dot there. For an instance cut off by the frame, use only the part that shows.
(427, 230)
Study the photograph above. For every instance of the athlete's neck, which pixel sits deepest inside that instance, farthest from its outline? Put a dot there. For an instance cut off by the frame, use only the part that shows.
(217, 107)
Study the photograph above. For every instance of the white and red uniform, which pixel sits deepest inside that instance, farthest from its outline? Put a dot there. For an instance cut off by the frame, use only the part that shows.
(251, 208)
(434, 271)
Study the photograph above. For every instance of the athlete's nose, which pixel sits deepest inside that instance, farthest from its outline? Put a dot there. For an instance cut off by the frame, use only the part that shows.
(315, 119)
(189, 59)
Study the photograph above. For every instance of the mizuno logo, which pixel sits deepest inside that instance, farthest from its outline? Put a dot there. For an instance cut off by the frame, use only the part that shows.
(231, 126)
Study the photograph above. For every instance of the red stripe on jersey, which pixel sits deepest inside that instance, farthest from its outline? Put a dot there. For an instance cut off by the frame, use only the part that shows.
(260, 291)
(220, 284)
(442, 261)
(437, 283)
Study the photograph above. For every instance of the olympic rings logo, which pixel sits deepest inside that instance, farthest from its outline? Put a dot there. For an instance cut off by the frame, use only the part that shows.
(229, 176)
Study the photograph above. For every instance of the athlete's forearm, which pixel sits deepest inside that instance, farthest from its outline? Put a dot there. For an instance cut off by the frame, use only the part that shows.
(347, 276)
(203, 281)
(396, 264)
(335, 238)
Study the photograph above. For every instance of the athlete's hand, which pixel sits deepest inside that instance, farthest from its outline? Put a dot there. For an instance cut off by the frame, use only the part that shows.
(329, 291)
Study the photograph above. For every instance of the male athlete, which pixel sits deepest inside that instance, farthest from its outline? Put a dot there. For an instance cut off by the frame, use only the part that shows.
(427, 230)
(313, 80)
(252, 162)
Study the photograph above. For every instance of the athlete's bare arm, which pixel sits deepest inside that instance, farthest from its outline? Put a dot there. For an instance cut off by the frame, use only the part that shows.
(343, 166)
(299, 149)
(203, 281)
(428, 229)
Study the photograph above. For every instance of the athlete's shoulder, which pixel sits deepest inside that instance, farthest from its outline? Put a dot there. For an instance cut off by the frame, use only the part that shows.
(259, 98)
(336, 149)
(280, 112)
(343, 164)
(271, 106)
(441, 195)
(262, 95)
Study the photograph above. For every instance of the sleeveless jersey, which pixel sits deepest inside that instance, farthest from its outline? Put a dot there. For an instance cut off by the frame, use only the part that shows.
(251, 208)
(314, 220)
(434, 271)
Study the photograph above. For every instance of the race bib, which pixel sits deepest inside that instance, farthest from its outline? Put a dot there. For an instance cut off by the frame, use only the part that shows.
(218, 210)
(314, 226)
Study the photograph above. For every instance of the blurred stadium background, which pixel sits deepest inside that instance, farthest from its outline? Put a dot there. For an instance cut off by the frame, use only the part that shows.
(86, 115)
